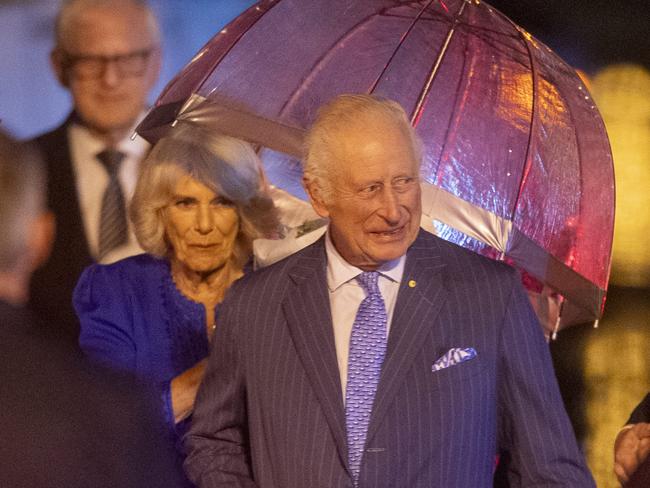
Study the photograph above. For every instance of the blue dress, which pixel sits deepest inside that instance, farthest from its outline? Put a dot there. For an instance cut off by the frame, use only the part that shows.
(133, 318)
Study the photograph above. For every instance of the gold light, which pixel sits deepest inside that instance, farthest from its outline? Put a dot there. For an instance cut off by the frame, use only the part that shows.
(622, 93)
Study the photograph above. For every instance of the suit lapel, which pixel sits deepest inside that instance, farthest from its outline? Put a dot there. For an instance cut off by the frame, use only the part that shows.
(62, 193)
(419, 299)
(307, 310)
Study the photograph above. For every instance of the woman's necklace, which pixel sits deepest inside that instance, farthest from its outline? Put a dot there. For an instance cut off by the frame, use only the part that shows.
(207, 293)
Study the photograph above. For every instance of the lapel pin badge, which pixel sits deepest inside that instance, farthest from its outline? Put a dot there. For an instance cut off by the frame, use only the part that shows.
(412, 283)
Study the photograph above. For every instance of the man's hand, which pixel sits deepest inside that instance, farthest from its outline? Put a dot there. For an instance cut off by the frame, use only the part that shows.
(631, 448)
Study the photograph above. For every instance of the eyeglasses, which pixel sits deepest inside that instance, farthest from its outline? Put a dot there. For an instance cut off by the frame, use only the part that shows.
(89, 66)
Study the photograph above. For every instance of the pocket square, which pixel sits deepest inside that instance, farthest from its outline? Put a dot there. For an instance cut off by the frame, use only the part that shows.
(454, 356)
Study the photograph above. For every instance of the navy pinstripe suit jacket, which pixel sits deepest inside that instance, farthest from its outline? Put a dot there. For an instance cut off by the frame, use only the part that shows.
(270, 410)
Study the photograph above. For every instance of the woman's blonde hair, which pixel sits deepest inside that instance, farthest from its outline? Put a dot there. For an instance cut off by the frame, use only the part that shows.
(228, 166)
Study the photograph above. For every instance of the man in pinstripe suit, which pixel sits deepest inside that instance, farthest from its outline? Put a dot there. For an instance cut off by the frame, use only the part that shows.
(465, 372)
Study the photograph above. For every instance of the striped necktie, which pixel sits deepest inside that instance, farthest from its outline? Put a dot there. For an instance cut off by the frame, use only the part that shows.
(113, 228)
(366, 356)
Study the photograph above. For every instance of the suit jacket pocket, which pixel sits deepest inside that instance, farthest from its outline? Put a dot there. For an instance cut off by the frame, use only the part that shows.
(454, 376)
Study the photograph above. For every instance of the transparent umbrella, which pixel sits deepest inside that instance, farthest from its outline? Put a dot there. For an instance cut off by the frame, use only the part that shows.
(517, 164)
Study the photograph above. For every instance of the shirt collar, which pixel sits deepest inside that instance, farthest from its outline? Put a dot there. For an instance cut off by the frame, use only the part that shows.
(339, 271)
(93, 145)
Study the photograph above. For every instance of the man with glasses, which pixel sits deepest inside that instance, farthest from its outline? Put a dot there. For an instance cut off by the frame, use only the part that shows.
(107, 55)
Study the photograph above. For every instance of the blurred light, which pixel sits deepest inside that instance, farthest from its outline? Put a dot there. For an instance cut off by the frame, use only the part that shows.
(612, 392)
(615, 366)
(622, 93)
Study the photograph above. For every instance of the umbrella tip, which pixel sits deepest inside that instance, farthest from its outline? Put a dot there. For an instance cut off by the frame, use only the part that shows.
(596, 323)
(134, 135)
(556, 328)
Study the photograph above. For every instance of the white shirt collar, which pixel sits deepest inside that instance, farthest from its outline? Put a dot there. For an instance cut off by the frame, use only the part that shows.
(92, 145)
(91, 180)
(339, 271)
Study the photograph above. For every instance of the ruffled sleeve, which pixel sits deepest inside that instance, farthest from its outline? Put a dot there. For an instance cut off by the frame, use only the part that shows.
(103, 300)
(105, 316)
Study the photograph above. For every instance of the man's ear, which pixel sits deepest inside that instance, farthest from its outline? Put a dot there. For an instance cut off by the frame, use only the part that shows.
(153, 68)
(316, 197)
(57, 62)
(40, 239)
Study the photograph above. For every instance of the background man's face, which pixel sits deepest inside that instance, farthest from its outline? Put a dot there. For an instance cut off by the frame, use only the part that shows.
(111, 100)
(376, 206)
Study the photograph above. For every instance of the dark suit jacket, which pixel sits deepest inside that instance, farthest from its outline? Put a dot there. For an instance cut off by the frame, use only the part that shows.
(641, 477)
(65, 423)
(270, 410)
(642, 412)
(53, 284)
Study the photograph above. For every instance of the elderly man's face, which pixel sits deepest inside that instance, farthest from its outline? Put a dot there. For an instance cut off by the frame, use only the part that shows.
(375, 209)
(111, 63)
(200, 226)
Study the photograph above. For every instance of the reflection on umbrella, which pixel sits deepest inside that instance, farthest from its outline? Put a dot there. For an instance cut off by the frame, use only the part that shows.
(516, 166)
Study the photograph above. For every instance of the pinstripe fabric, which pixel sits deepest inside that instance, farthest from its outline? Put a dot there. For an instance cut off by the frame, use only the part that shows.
(270, 414)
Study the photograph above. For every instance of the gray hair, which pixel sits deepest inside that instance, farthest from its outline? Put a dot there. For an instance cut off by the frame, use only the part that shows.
(22, 197)
(228, 166)
(72, 9)
(343, 113)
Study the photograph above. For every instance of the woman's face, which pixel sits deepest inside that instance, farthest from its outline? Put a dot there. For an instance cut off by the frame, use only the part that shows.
(201, 226)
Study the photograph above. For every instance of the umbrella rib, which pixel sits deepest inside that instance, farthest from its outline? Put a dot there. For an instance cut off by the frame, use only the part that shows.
(569, 109)
(239, 36)
(533, 128)
(399, 45)
(198, 85)
(322, 58)
(318, 62)
(436, 65)
(533, 116)
(462, 79)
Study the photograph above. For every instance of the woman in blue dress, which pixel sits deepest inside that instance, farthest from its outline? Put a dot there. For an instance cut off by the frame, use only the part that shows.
(199, 202)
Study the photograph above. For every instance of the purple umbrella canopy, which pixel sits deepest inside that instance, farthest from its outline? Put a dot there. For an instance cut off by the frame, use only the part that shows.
(517, 164)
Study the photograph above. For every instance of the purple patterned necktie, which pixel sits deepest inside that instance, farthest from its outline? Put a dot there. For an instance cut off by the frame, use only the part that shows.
(367, 351)
(113, 227)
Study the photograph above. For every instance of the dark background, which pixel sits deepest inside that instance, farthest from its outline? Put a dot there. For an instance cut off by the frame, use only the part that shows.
(587, 34)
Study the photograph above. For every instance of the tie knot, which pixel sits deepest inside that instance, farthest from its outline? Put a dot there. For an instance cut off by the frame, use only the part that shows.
(111, 159)
(368, 281)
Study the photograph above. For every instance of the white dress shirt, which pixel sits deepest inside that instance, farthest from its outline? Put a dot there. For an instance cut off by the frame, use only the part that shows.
(91, 180)
(346, 294)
